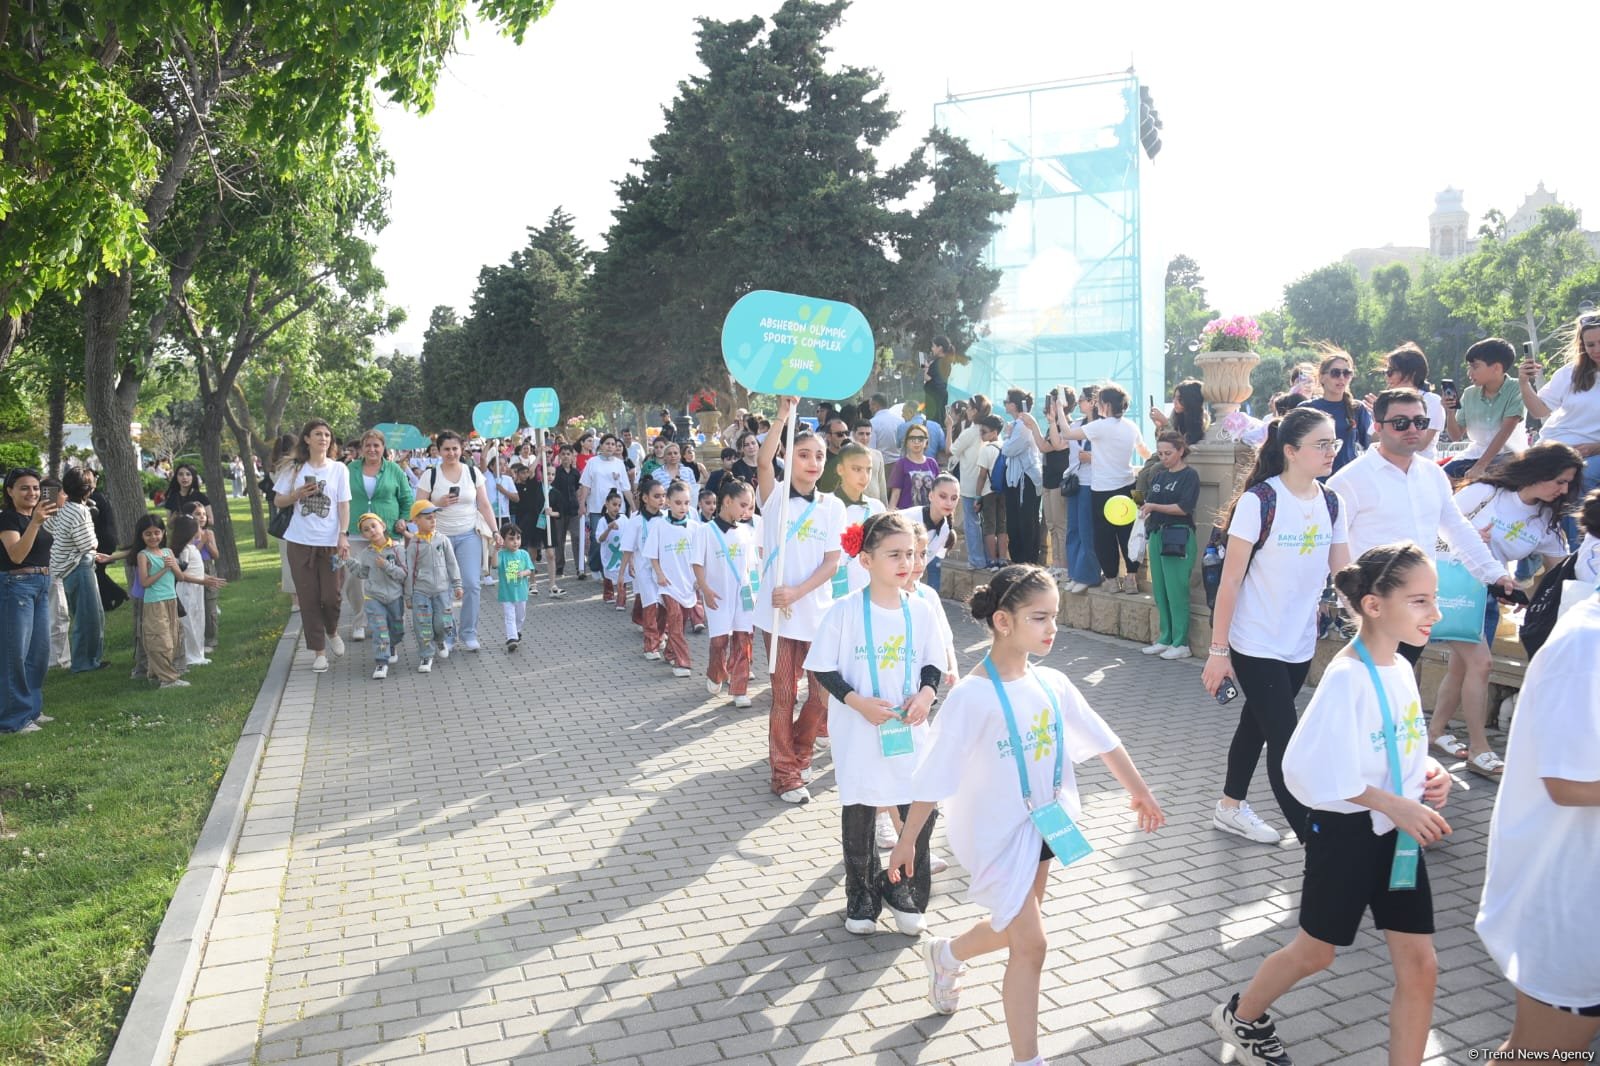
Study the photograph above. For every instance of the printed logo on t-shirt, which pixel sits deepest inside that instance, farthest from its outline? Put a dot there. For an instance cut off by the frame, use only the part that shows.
(1040, 738)
(1411, 730)
(1513, 532)
(808, 531)
(891, 652)
(677, 547)
(1306, 541)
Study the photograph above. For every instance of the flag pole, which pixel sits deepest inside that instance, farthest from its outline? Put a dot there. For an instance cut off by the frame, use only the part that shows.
(783, 533)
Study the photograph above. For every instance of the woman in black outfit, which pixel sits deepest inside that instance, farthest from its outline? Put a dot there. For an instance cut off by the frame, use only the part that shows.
(183, 488)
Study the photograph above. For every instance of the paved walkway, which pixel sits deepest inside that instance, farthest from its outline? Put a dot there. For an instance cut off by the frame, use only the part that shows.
(565, 855)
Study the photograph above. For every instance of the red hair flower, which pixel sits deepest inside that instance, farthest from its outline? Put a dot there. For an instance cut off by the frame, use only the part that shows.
(850, 540)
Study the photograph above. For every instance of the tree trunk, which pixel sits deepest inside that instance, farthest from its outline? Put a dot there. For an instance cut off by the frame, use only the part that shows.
(58, 415)
(211, 461)
(250, 445)
(110, 396)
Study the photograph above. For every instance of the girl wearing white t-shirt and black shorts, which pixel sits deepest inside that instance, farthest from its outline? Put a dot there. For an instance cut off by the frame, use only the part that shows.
(1112, 473)
(1264, 631)
(1358, 760)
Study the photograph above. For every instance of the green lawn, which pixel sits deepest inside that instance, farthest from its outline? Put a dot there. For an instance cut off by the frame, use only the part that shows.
(106, 804)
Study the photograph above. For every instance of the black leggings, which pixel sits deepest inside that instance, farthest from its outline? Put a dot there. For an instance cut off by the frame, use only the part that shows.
(1022, 521)
(1111, 542)
(1268, 717)
(866, 886)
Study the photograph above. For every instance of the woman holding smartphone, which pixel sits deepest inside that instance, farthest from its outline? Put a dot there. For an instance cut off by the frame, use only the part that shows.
(1286, 533)
(317, 486)
(455, 488)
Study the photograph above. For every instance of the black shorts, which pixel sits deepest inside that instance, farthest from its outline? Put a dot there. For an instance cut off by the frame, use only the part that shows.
(534, 539)
(1347, 871)
(1581, 1012)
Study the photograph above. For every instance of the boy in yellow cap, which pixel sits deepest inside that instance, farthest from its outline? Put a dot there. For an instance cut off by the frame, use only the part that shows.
(431, 572)
(380, 565)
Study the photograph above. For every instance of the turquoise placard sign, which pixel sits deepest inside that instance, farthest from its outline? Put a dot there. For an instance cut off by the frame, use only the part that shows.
(542, 407)
(496, 418)
(785, 344)
(401, 435)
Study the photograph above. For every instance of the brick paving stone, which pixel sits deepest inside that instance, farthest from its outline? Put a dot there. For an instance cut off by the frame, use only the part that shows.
(568, 856)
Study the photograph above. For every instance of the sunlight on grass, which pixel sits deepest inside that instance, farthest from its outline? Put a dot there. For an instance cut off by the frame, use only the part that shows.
(107, 803)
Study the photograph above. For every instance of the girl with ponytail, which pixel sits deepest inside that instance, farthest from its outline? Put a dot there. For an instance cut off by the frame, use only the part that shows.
(1285, 533)
(1359, 763)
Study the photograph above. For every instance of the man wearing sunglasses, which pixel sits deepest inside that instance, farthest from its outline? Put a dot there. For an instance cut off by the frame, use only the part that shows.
(835, 434)
(1394, 496)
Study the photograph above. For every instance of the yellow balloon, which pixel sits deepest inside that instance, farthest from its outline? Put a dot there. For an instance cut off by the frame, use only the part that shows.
(1121, 510)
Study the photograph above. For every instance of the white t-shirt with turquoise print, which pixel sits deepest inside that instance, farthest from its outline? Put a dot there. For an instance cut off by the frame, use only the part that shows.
(815, 535)
(1516, 529)
(1338, 749)
(1275, 616)
(860, 769)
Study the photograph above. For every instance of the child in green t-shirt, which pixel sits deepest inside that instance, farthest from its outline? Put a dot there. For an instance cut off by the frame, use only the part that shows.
(515, 569)
(1490, 412)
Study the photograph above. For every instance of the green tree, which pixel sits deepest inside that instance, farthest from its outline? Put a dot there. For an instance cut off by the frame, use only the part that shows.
(448, 380)
(176, 93)
(1325, 305)
(402, 397)
(766, 176)
(1392, 318)
(1186, 313)
(1519, 284)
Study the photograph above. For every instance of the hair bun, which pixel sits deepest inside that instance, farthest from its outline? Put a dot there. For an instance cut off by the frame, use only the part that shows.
(982, 603)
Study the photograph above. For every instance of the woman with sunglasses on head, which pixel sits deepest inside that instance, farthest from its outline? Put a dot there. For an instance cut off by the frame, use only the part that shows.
(1570, 402)
(1352, 422)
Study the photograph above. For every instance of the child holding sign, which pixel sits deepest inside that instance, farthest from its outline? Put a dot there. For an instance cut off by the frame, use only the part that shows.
(1359, 760)
(726, 569)
(805, 528)
(880, 655)
(1013, 802)
(668, 549)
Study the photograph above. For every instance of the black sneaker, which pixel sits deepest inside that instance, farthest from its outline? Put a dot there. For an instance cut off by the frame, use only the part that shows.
(1252, 1043)
(511, 645)
(583, 575)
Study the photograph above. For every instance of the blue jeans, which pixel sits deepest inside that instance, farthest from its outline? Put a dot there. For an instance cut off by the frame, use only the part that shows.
(934, 574)
(430, 614)
(469, 557)
(386, 626)
(24, 647)
(1591, 481)
(88, 617)
(972, 525)
(1082, 564)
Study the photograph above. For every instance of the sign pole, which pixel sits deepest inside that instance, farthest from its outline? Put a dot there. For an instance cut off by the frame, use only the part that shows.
(783, 532)
(544, 519)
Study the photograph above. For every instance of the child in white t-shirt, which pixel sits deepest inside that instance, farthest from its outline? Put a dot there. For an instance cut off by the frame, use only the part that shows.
(669, 551)
(880, 655)
(609, 535)
(648, 614)
(976, 765)
(727, 572)
(855, 474)
(1340, 763)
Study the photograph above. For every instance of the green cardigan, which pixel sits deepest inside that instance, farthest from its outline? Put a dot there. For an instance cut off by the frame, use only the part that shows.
(391, 500)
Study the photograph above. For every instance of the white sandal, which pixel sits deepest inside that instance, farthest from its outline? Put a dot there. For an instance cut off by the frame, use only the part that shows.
(1487, 764)
(1449, 745)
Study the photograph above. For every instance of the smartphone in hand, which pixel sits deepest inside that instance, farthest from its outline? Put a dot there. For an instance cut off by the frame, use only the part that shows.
(1227, 692)
(1447, 391)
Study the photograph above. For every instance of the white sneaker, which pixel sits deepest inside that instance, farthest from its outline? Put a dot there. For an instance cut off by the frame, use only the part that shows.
(1077, 587)
(319, 665)
(335, 644)
(937, 863)
(358, 634)
(33, 727)
(944, 984)
(821, 744)
(380, 671)
(796, 795)
(1242, 821)
(910, 922)
(741, 701)
(425, 666)
(652, 655)
(884, 833)
(713, 687)
(180, 683)
(806, 775)
(860, 926)
(1155, 649)
(444, 652)
(1178, 652)
(681, 671)
(394, 656)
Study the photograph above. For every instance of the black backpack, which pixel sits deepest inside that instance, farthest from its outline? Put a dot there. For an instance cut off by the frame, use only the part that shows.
(1539, 617)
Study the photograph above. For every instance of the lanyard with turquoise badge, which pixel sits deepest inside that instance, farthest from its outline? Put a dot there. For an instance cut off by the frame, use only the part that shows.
(1066, 841)
(794, 527)
(894, 736)
(1403, 871)
(747, 595)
